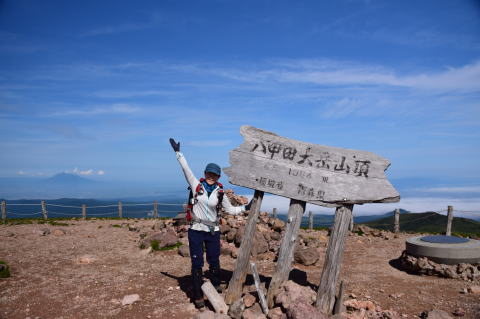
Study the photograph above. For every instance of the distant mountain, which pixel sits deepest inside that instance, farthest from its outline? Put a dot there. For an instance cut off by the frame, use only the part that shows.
(65, 179)
(429, 222)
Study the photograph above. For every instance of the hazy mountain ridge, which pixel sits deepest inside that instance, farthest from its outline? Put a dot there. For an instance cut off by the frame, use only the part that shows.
(429, 222)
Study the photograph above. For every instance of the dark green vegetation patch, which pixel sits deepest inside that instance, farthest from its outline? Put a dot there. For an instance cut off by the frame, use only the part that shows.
(155, 246)
(4, 270)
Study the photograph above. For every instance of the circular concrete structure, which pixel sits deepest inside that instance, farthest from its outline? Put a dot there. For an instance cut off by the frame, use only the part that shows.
(447, 250)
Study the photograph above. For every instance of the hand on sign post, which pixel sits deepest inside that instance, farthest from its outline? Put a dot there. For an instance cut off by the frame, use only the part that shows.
(175, 146)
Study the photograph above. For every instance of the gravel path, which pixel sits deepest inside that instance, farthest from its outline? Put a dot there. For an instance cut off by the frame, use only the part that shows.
(86, 272)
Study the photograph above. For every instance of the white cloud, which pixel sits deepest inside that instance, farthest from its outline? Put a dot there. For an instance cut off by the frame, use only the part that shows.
(113, 109)
(23, 173)
(465, 189)
(86, 172)
(346, 73)
(462, 207)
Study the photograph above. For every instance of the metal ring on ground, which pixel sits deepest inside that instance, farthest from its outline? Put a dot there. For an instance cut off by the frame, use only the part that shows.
(444, 252)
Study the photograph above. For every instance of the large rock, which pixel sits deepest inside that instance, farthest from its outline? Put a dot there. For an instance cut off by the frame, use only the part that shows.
(231, 235)
(249, 300)
(59, 232)
(435, 314)
(302, 309)
(306, 256)
(239, 235)
(254, 312)
(225, 229)
(208, 314)
(290, 291)
(474, 290)
(164, 239)
(184, 251)
(276, 313)
(354, 304)
(275, 236)
(274, 245)
(278, 225)
(260, 244)
(130, 299)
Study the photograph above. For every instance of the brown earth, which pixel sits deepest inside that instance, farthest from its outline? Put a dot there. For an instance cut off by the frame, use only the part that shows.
(86, 272)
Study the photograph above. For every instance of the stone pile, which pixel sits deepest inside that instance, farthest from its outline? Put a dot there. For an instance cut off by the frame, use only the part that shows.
(364, 230)
(424, 266)
(232, 227)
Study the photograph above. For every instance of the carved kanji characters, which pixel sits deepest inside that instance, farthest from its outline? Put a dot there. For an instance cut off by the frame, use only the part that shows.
(274, 148)
(305, 157)
(271, 183)
(362, 167)
(342, 166)
(264, 148)
(289, 152)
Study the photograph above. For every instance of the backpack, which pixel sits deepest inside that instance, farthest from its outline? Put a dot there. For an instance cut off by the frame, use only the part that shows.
(192, 199)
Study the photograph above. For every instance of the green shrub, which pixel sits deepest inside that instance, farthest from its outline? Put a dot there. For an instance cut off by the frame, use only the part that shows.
(5, 270)
(178, 244)
(116, 226)
(155, 245)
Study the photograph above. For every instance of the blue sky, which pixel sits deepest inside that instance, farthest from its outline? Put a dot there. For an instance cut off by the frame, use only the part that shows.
(97, 87)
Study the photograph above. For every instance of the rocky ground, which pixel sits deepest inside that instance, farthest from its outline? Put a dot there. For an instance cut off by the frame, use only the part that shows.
(96, 269)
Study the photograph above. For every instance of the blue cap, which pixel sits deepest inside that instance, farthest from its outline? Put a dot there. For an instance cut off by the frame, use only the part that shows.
(213, 168)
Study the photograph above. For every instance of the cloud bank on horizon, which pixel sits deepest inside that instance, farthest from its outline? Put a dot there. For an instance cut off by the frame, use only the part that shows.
(102, 86)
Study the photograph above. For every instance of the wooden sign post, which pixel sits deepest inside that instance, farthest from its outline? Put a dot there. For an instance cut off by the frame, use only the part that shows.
(305, 173)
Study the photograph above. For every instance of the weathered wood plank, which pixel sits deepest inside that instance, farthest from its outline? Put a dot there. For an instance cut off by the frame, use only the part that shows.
(337, 309)
(4, 211)
(333, 260)
(449, 221)
(261, 295)
(84, 212)
(285, 253)
(155, 209)
(214, 297)
(120, 209)
(235, 285)
(396, 225)
(317, 174)
(44, 210)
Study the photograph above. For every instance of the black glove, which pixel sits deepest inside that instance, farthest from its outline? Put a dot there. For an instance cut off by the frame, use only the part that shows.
(175, 146)
(249, 205)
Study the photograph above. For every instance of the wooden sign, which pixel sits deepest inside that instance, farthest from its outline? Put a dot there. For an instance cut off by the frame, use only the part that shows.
(321, 175)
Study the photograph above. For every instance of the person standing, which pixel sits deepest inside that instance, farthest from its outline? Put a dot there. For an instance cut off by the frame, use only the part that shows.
(204, 224)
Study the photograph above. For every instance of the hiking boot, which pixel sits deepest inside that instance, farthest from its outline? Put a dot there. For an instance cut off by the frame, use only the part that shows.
(197, 292)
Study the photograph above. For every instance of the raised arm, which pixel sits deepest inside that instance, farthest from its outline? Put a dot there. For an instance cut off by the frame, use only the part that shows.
(191, 179)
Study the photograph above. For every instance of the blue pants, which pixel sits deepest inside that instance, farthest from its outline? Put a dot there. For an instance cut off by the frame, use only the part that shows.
(196, 240)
